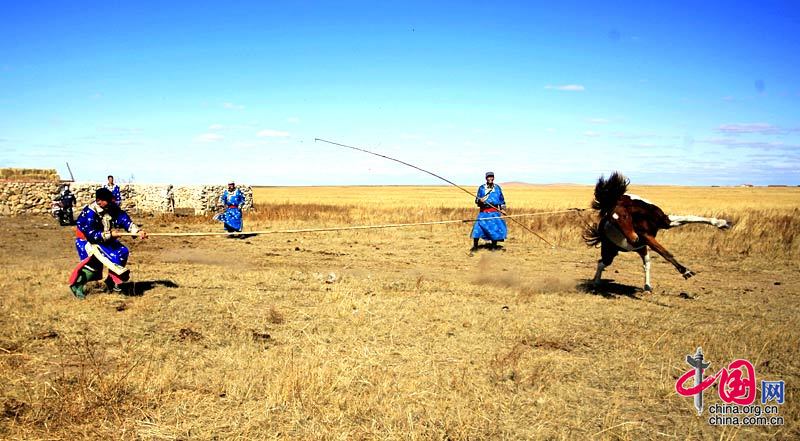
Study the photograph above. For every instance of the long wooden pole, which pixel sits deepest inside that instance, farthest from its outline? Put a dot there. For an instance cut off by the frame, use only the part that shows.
(437, 176)
(357, 227)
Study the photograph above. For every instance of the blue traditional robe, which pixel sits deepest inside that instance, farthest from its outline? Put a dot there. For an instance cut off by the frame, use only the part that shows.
(489, 225)
(94, 239)
(114, 189)
(232, 217)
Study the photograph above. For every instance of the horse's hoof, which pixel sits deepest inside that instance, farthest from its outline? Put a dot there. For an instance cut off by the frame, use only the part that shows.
(687, 274)
(648, 288)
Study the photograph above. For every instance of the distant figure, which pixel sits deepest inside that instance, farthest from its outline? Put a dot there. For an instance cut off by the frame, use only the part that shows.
(63, 204)
(489, 225)
(169, 198)
(232, 200)
(114, 189)
(97, 247)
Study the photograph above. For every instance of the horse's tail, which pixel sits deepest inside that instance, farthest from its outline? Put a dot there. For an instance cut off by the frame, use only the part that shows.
(608, 191)
(591, 235)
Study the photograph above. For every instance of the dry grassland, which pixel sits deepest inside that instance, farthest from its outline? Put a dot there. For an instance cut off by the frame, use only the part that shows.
(399, 333)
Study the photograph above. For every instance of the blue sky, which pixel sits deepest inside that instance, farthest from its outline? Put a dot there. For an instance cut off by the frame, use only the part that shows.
(690, 93)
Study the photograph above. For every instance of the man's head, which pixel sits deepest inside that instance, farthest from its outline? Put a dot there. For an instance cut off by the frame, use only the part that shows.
(110, 180)
(231, 185)
(103, 197)
(490, 178)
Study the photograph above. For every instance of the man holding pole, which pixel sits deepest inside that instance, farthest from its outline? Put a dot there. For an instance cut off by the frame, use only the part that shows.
(97, 245)
(232, 201)
(489, 225)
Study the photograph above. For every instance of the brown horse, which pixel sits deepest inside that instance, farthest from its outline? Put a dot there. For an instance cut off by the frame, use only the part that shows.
(630, 223)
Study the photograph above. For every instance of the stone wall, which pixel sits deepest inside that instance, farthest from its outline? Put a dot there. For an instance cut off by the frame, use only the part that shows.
(36, 197)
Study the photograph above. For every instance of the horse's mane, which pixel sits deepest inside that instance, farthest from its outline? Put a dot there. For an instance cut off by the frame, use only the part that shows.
(608, 191)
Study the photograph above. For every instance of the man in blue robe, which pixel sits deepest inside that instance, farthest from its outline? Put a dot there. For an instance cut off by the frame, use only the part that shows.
(97, 247)
(232, 200)
(489, 225)
(114, 189)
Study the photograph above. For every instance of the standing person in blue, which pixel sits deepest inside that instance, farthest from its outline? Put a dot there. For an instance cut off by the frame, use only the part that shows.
(114, 189)
(489, 225)
(232, 200)
(98, 247)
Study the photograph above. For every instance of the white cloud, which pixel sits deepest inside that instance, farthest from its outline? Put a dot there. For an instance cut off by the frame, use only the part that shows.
(567, 87)
(120, 130)
(269, 133)
(293, 120)
(233, 106)
(209, 137)
(598, 120)
(216, 127)
(759, 145)
(761, 128)
(591, 134)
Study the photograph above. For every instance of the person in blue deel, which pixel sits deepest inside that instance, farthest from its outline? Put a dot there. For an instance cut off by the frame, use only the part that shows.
(98, 246)
(232, 200)
(489, 225)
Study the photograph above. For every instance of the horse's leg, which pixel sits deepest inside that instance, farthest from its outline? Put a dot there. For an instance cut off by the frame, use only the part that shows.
(658, 248)
(678, 220)
(645, 255)
(607, 254)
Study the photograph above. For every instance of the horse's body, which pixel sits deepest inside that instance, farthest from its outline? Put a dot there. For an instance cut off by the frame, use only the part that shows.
(630, 223)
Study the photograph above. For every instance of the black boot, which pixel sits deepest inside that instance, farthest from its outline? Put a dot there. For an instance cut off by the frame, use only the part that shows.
(111, 286)
(474, 245)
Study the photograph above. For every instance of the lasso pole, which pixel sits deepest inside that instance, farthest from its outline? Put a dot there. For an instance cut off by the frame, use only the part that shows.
(357, 227)
(437, 176)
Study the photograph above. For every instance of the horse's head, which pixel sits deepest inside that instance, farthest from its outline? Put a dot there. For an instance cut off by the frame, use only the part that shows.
(621, 216)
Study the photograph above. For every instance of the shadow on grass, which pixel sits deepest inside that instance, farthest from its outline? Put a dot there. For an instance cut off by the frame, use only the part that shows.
(487, 247)
(608, 289)
(137, 289)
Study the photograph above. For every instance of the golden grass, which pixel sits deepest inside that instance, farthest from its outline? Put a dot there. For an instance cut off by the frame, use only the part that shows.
(398, 334)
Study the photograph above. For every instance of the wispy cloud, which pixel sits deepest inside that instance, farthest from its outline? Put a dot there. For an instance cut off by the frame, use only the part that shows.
(598, 120)
(758, 145)
(218, 127)
(760, 128)
(233, 106)
(591, 134)
(567, 87)
(624, 135)
(209, 137)
(120, 130)
(269, 133)
(293, 120)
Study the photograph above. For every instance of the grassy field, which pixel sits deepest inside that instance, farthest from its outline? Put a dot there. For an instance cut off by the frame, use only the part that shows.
(399, 333)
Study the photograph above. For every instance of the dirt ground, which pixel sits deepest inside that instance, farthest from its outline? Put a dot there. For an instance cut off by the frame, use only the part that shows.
(381, 334)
